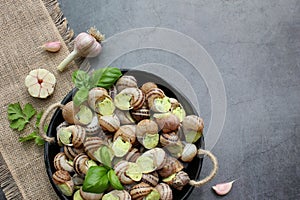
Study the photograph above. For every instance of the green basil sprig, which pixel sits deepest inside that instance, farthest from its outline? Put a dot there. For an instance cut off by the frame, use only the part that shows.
(104, 77)
(96, 180)
(99, 178)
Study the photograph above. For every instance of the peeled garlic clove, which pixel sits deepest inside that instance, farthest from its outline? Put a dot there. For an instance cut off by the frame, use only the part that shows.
(40, 83)
(223, 188)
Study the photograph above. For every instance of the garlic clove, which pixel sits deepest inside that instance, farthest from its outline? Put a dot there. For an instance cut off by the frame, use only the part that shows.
(52, 46)
(223, 188)
(40, 83)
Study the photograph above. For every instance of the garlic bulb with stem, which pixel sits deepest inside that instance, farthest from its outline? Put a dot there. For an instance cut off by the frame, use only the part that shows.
(85, 45)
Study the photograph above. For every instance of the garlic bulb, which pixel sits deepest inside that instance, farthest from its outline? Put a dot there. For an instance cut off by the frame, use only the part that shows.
(85, 45)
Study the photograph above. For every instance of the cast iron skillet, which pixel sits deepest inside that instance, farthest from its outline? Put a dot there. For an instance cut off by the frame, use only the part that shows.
(193, 168)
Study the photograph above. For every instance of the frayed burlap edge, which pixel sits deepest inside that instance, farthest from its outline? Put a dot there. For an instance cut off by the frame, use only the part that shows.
(7, 182)
(60, 22)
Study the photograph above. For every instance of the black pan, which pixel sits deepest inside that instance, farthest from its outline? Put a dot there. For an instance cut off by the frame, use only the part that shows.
(193, 168)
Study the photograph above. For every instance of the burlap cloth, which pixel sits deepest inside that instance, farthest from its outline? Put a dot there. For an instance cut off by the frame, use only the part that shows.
(26, 25)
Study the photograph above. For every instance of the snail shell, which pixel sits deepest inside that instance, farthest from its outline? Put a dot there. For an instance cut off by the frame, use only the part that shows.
(68, 112)
(122, 194)
(167, 122)
(192, 123)
(140, 114)
(152, 94)
(92, 144)
(78, 135)
(93, 128)
(172, 144)
(140, 190)
(61, 176)
(77, 179)
(146, 126)
(189, 152)
(127, 132)
(171, 166)
(62, 125)
(126, 82)
(124, 117)
(165, 191)
(80, 164)
(112, 91)
(90, 196)
(159, 157)
(132, 155)
(174, 103)
(136, 101)
(180, 180)
(109, 123)
(152, 179)
(72, 152)
(168, 139)
(94, 95)
(146, 87)
(120, 169)
(61, 162)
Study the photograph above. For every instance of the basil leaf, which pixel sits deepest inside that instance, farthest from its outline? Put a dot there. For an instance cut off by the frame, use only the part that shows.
(80, 96)
(95, 77)
(96, 180)
(81, 79)
(114, 180)
(109, 77)
(105, 155)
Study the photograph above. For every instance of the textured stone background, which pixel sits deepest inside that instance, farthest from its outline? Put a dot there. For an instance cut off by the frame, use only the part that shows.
(256, 46)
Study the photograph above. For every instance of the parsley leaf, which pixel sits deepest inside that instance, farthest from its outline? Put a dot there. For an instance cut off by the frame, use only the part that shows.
(33, 136)
(19, 117)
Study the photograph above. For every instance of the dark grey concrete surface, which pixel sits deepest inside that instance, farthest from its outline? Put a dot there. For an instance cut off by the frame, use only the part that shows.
(256, 46)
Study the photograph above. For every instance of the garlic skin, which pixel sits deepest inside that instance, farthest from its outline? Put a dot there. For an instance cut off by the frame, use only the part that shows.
(85, 45)
(52, 46)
